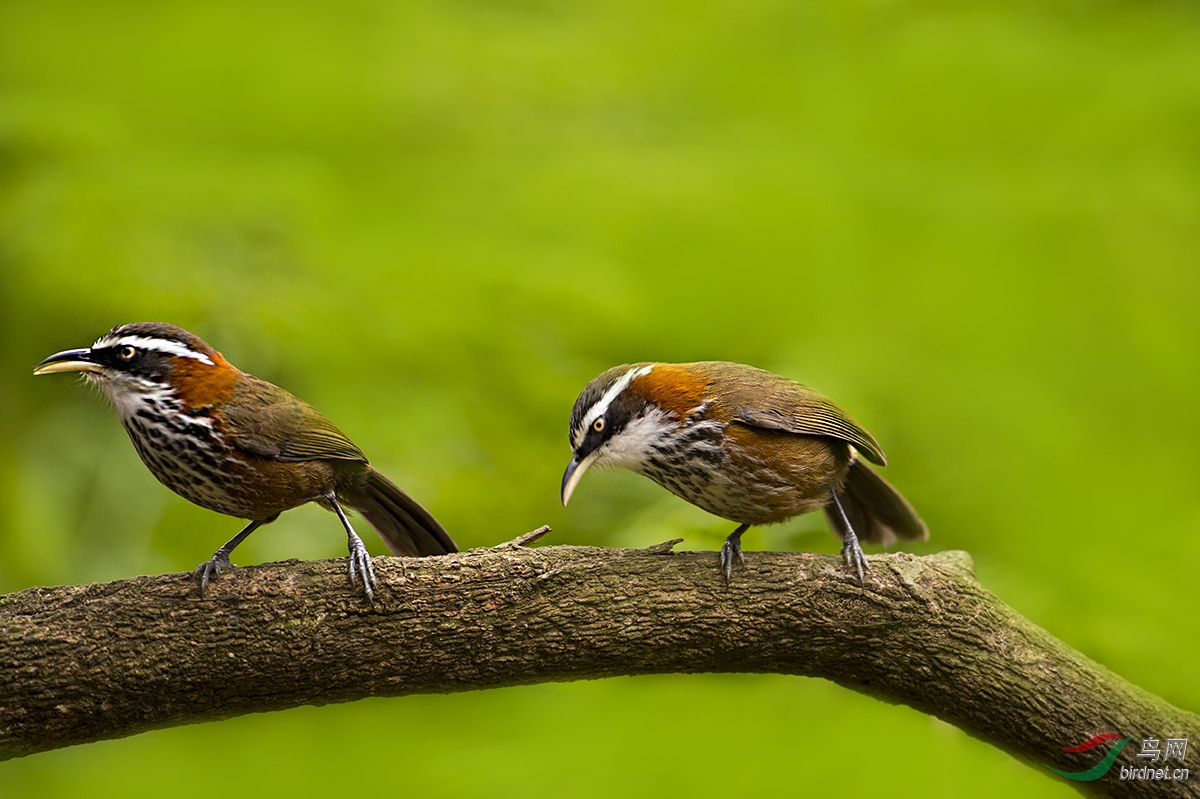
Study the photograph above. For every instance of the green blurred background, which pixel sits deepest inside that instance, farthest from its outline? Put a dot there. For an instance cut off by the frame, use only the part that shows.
(975, 225)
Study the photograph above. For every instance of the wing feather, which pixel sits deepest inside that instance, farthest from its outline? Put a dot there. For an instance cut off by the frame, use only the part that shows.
(271, 423)
(776, 403)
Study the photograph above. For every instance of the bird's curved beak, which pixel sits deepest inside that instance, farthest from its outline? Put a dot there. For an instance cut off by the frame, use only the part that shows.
(574, 473)
(68, 361)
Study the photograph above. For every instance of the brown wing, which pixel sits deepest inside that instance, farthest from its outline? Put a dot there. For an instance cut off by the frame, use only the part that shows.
(272, 423)
(763, 399)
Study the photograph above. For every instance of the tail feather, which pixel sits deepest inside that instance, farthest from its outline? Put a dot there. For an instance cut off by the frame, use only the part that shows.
(406, 527)
(877, 512)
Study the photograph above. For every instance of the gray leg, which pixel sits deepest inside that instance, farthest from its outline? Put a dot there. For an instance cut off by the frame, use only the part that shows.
(851, 552)
(733, 548)
(220, 559)
(360, 559)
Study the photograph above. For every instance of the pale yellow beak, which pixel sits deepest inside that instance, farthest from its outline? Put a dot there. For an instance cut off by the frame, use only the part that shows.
(68, 361)
(574, 473)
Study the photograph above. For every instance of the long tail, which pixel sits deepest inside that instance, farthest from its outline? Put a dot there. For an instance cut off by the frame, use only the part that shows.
(877, 512)
(406, 527)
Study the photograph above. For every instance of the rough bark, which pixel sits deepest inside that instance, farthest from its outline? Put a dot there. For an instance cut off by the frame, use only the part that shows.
(86, 663)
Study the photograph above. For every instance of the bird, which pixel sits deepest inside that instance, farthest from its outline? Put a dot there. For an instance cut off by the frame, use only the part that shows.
(232, 443)
(744, 444)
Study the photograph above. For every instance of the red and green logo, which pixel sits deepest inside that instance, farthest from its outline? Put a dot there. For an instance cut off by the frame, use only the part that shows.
(1100, 769)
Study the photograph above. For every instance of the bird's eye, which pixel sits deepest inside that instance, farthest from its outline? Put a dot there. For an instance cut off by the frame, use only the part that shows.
(127, 353)
(598, 425)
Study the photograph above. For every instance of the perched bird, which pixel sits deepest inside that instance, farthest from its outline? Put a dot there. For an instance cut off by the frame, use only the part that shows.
(232, 443)
(741, 443)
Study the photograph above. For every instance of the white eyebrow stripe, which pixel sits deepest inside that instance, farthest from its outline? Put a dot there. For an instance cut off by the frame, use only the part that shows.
(154, 344)
(601, 406)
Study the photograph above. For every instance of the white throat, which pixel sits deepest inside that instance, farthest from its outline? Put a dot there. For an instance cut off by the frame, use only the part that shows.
(634, 445)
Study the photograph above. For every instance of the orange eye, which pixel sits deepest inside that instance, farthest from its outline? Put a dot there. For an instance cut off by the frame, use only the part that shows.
(598, 425)
(126, 353)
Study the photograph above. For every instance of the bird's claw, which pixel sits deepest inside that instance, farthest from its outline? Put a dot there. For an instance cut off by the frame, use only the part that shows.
(210, 568)
(855, 559)
(729, 550)
(360, 566)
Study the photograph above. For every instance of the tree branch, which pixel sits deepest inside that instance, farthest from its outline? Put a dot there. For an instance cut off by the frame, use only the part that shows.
(86, 663)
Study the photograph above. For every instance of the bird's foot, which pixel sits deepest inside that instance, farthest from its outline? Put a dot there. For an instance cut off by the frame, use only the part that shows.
(732, 548)
(851, 552)
(209, 569)
(360, 566)
(855, 559)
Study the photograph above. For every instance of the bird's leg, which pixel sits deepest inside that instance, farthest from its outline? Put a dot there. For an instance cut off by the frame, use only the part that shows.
(733, 548)
(851, 552)
(360, 559)
(220, 559)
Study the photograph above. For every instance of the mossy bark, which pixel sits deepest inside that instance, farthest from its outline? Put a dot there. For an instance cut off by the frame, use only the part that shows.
(86, 663)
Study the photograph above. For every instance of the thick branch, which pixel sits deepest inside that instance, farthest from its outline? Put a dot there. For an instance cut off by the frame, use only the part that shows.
(85, 663)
